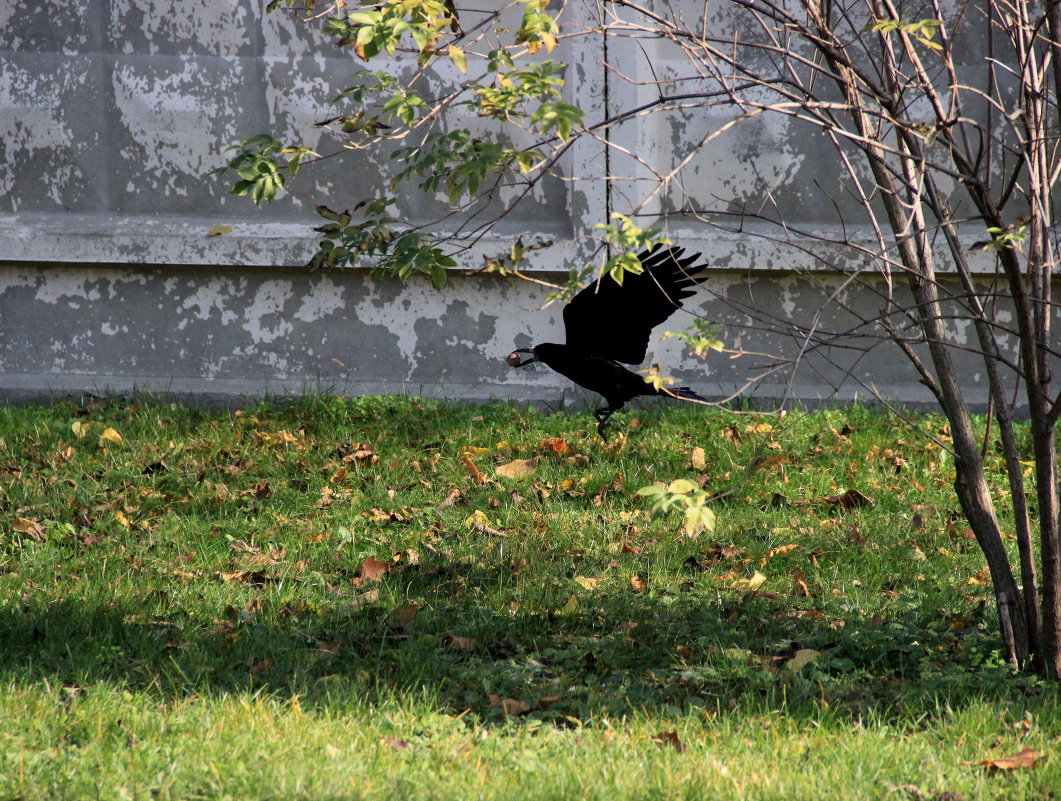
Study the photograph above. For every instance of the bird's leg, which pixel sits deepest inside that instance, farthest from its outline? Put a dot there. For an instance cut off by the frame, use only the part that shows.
(603, 416)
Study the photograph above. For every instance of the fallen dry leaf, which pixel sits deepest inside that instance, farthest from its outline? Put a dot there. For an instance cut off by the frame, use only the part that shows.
(779, 551)
(509, 706)
(852, 499)
(463, 644)
(362, 600)
(669, 738)
(1027, 758)
(452, 494)
(404, 614)
(557, 445)
(473, 471)
(638, 584)
(804, 656)
(520, 468)
(110, 435)
(750, 584)
(372, 569)
(31, 528)
(698, 459)
(358, 452)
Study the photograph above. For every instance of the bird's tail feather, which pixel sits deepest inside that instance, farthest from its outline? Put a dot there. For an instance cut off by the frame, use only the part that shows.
(683, 393)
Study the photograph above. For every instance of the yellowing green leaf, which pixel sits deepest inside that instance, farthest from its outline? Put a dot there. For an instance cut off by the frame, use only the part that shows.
(681, 486)
(219, 230)
(456, 55)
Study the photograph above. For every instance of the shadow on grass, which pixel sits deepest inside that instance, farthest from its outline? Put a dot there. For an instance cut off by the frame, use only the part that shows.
(600, 651)
(607, 656)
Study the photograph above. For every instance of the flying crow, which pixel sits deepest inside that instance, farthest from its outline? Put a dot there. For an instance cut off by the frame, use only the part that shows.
(608, 322)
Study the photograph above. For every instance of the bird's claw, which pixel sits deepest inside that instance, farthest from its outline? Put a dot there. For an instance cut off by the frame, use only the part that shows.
(603, 416)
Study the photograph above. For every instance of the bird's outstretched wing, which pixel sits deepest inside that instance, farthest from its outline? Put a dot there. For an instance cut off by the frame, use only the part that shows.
(614, 320)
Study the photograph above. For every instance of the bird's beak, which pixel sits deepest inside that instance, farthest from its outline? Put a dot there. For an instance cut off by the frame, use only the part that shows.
(520, 358)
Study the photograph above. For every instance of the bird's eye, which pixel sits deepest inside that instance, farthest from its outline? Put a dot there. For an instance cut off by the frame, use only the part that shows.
(513, 359)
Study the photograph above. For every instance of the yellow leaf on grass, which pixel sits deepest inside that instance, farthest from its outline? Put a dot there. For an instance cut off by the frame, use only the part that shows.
(122, 519)
(804, 656)
(698, 460)
(471, 452)
(79, 428)
(110, 435)
(520, 468)
(587, 582)
(477, 518)
(570, 606)
(750, 584)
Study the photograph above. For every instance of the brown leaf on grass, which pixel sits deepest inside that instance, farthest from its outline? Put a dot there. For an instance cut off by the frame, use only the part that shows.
(638, 584)
(463, 644)
(1027, 758)
(669, 738)
(265, 559)
(520, 468)
(781, 550)
(259, 490)
(547, 701)
(31, 528)
(362, 600)
(372, 569)
(249, 578)
(732, 433)
(357, 452)
(852, 499)
(403, 615)
(473, 471)
(716, 553)
(451, 498)
(242, 546)
(509, 706)
(557, 445)
(279, 438)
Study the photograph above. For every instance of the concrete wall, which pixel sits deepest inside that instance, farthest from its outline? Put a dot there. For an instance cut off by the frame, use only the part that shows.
(112, 114)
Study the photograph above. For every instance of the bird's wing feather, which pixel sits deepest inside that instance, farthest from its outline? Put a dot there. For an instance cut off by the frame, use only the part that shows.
(615, 320)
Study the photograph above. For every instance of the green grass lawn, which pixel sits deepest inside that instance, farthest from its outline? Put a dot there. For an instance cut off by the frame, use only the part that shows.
(397, 598)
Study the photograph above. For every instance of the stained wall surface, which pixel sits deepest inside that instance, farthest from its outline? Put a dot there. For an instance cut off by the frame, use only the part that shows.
(114, 112)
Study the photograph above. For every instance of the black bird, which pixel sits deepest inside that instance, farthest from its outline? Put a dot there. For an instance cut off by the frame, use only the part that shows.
(608, 323)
